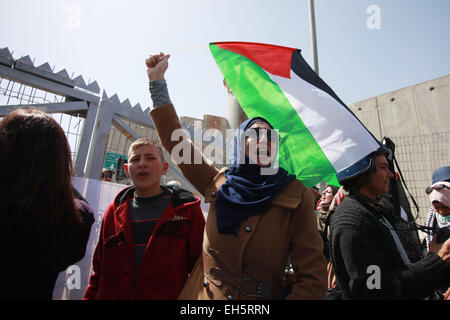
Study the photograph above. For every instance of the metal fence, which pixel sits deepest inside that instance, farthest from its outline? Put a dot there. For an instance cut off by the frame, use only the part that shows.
(13, 93)
(99, 130)
(418, 157)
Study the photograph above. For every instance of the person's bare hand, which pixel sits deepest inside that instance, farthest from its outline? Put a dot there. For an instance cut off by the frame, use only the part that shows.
(444, 251)
(434, 246)
(447, 294)
(157, 65)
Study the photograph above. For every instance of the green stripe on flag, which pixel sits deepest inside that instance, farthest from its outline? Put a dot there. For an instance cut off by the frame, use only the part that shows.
(299, 153)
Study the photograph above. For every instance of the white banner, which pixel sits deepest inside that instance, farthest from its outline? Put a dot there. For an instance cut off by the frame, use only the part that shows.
(72, 283)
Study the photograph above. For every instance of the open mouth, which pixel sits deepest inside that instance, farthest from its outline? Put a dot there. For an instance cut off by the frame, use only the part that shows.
(142, 174)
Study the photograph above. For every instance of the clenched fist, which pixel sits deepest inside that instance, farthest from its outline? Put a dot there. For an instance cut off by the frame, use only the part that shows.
(156, 66)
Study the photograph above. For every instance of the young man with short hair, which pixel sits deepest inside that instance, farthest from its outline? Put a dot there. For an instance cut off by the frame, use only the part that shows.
(151, 234)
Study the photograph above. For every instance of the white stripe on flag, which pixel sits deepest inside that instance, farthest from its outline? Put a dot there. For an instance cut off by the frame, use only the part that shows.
(340, 135)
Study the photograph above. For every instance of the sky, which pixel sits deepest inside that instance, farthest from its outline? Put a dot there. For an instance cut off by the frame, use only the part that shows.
(365, 47)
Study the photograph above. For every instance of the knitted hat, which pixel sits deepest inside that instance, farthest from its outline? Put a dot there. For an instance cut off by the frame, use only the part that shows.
(441, 174)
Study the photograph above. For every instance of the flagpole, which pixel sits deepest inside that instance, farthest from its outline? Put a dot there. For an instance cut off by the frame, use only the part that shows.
(315, 60)
(312, 23)
(235, 113)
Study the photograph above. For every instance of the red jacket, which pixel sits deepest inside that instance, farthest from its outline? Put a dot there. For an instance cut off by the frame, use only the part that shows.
(172, 250)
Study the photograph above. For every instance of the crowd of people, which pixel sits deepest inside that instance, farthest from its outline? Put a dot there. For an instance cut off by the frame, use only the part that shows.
(266, 236)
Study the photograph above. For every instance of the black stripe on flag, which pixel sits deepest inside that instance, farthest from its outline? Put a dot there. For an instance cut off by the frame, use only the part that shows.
(302, 69)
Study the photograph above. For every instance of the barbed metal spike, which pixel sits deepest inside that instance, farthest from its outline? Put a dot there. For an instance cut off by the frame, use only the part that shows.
(93, 87)
(79, 82)
(26, 60)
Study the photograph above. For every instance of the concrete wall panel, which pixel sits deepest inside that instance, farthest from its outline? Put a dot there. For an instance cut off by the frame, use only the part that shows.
(367, 113)
(397, 113)
(417, 119)
(432, 99)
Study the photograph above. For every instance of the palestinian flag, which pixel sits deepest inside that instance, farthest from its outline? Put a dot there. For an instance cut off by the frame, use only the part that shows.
(319, 135)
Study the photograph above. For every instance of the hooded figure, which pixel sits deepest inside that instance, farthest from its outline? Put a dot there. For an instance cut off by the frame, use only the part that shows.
(439, 215)
(323, 207)
(246, 191)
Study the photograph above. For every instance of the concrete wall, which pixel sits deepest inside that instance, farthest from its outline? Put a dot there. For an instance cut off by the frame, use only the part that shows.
(417, 119)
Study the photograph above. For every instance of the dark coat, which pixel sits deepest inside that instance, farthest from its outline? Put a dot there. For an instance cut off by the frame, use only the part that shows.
(31, 264)
(360, 240)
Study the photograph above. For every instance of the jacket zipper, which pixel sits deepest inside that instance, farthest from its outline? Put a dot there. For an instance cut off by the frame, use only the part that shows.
(175, 210)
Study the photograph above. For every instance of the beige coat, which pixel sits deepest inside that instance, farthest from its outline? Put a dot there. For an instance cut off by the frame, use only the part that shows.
(251, 265)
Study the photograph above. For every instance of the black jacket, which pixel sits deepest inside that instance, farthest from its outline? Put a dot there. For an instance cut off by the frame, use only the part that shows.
(359, 241)
(30, 265)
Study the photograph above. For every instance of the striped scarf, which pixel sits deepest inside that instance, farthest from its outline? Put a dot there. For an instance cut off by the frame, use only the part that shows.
(434, 218)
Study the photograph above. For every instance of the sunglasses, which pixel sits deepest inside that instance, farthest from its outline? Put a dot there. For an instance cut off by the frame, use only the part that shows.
(428, 190)
(260, 132)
